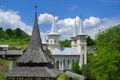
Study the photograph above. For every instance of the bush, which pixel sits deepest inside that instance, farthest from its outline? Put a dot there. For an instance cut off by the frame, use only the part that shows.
(2, 78)
(75, 68)
(75, 78)
(63, 76)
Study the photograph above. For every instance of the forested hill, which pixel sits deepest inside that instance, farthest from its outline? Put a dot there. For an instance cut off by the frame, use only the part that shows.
(20, 39)
(14, 38)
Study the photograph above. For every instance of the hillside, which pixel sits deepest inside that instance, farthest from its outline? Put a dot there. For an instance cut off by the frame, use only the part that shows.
(16, 39)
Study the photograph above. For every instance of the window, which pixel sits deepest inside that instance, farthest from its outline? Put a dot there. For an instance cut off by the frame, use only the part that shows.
(51, 41)
(77, 60)
(83, 59)
(83, 48)
(55, 41)
(73, 60)
(68, 62)
(64, 62)
(75, 42)
(57, 64)
(61, 64)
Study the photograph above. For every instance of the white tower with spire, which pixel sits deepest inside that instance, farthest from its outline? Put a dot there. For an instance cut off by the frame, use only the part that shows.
(73, 38)
(81, 44)
(53, 36)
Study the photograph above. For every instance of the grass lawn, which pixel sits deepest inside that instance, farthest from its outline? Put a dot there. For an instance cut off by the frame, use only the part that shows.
(4, 65)
(21, 44)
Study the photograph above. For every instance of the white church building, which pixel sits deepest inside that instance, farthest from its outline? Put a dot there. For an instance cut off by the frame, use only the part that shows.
(64, 57)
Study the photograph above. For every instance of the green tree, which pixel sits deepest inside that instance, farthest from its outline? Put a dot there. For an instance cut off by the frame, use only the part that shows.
(90, 42)
(1, 32)
(65, 43)
(9, 32)
(105, 63)
(75, 68)
(18, 32)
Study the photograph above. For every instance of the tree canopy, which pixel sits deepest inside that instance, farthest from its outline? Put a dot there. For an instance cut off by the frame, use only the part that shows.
(105, 63)
(15, 37)
(75, 68)
(90, 41)
(65, 43)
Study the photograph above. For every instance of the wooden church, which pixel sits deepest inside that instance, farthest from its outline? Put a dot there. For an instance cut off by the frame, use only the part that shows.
(34, 64)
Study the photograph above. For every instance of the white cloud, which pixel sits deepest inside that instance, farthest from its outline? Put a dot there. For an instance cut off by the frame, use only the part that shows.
(91, 25)
(91, 22)
(104, 24)
(11, 19)
(45, 18)
(65, 26)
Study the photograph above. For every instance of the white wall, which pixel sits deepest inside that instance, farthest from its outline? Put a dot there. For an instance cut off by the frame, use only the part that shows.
(67, 64)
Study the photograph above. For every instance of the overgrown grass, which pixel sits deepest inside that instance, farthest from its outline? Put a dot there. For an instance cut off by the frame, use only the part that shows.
(21, 43)
(4, 65)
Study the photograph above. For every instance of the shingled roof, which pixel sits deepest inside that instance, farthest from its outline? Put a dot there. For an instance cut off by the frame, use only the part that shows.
(33, 72)
(34, 62)
(35, 52)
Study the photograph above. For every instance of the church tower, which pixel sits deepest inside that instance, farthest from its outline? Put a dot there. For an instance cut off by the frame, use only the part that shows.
(53, 36)
(81, 44)
(73, 38)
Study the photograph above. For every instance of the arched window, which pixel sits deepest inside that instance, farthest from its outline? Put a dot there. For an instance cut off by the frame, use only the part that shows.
(57, 64)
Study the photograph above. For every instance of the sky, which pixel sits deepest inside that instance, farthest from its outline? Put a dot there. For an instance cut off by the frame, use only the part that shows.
(97, 15)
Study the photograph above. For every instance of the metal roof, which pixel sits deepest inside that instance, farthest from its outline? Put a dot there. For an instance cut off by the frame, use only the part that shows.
(65, 51)
(12, 52)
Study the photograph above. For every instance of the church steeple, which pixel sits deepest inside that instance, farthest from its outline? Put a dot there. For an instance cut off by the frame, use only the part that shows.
(54, 27)
(35, 42)
(81, 44)
(35, 52)
(73, 38)
(75, 31)
(53, 36)
(81, 31)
